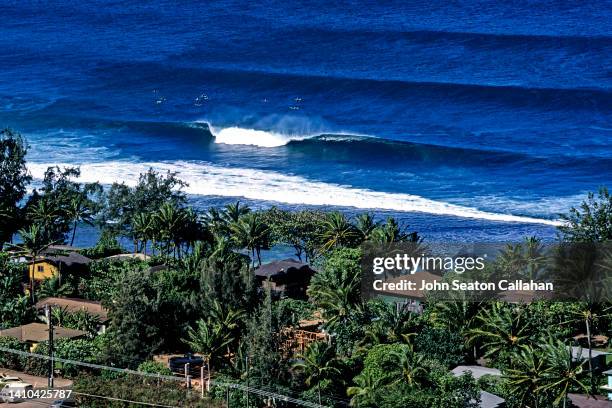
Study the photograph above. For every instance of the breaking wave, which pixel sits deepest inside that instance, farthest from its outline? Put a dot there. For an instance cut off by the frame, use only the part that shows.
(252, 137)
(208, 180)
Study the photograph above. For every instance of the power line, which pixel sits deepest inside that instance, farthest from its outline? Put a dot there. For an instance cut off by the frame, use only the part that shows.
(241, 387)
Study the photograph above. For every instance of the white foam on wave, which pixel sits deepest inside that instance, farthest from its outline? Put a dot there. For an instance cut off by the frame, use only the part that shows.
(241, 136)
(209, 180)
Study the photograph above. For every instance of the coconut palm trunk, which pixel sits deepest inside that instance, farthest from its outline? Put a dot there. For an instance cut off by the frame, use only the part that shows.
(74, 228)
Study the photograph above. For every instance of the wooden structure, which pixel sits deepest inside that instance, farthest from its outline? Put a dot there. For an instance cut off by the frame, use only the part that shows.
(296, 341)
(288, 277)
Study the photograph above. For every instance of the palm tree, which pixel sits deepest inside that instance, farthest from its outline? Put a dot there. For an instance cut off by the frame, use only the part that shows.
(365, 224)
(527, 377)
(78, 211)
(58, 315)
(338, 296)
(364, 393)
(526, 259)
(545, 372)
(391, 231)
(581, 271)
(393, 325)
(458, 315)
(53, 287)
(589, 313)
(502, 329)
(410, 365)
(143, 228)
(46, 214)
(169, 220)
(233, 212)
(35, 241)
(563, 373)
(251, 232)
(213, 220)
(337, 232)
(318, 363)
(214, 335)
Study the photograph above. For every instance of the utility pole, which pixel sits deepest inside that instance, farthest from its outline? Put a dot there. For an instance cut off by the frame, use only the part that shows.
(50, 329)
(247, 381)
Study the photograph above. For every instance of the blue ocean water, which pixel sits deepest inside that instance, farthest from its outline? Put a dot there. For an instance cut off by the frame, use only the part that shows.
(472, 120)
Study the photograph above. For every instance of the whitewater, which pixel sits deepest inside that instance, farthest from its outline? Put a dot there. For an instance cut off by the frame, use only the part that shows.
(212, 180)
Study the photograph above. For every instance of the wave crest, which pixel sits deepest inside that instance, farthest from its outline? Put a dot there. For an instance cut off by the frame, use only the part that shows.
(242, 136)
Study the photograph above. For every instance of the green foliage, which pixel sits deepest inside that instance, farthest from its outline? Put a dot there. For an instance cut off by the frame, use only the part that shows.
(10, 360)
(543, 375)
(263, 345)
(215, 337)
(81, 320)
(250, 231)
(395, 376)
(154, 367)
(61, 203)
(105, 277)
(107, 245)
(442, 345)
(317, 364)
(389, 324)
(135, 388)
(14, 179)
(135, 315)
(35, 365)
(225, 277)
(338, 232)
(289, 311)
(336, 288)
(54, 287)
(502, 330)
(78, 350)
(591, 221)
(151, 192)
(14, 306)
(298, 229)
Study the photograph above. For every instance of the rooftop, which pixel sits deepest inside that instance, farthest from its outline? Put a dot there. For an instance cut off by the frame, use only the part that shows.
(585, 401)
(477, 371)
(285, 266)
(73, 305)
(38, 332)
(488, 400)
(70, 259)
(583, 353)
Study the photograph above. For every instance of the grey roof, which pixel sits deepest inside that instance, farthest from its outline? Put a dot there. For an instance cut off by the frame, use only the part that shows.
(70, 259)
(477, 371)
(488, 400)
(284, 266)
(583, 353)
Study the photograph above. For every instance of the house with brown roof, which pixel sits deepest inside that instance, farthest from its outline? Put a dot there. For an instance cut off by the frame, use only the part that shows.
(35, 333)
(74, 305)
(287, 277)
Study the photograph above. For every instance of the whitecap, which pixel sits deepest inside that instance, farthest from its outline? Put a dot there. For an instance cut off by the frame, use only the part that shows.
(209, 180)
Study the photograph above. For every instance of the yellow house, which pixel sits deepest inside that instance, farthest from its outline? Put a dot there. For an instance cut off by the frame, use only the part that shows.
(51, 265)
